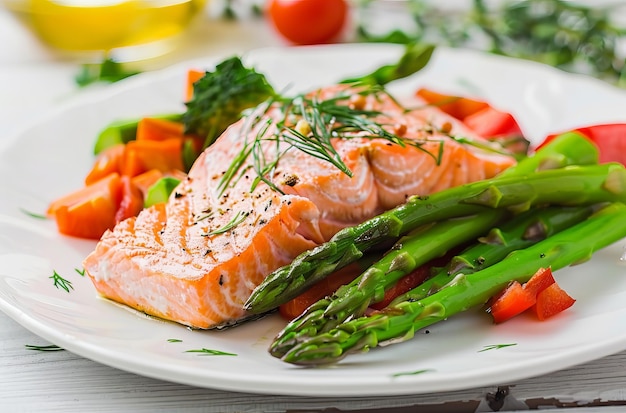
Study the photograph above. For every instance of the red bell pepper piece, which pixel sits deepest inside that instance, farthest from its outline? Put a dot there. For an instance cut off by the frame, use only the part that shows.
(552, 301)
(490, 123)
(540, 293)
(610, 139)
(512, 301)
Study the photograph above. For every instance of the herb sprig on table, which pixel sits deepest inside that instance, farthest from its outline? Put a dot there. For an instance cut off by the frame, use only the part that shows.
(560, 33)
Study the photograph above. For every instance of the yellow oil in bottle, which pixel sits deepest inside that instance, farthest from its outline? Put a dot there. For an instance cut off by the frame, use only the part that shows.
(97, 25)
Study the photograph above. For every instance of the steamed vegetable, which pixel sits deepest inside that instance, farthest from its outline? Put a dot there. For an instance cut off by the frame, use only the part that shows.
(400, 322)
(515, 189)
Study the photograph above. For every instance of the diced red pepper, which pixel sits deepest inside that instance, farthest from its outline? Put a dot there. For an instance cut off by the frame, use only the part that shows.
(131, 202)
(491, 122)
(540, 293)
(552, 301)
(316, 292)
(609, 138)
(404, 284)
(541, 280)
(455, 106)
(512, 301)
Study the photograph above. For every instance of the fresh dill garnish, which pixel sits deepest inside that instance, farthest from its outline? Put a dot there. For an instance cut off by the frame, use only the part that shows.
(319, 121)
(237, 219)
(33, 214)
(496, 347)
(51, 347)
(60, 282)
(209, 352)
(174, 340)
(411, 373)
(80, 272)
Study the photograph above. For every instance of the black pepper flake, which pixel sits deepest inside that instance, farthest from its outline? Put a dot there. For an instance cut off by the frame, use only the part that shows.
(221, 280)
(291, 180)
(542, 255)
(178, 195)
(207, 252)
(262, 221)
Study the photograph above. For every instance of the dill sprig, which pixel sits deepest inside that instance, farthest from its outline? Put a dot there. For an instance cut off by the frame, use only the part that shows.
(236, 220)
(210, 352)
(309, 124)
(60, 282)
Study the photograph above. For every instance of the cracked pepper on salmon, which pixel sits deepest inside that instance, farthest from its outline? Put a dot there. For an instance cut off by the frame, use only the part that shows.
(196, 259)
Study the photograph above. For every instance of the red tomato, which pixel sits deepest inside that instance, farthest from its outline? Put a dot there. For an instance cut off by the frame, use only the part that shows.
(308, 21)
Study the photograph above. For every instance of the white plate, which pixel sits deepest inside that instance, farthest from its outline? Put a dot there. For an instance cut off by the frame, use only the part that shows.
(51, 156)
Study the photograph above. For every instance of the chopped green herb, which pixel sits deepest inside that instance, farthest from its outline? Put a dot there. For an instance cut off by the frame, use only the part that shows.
(412, 373)
(220, 97)
(51, 347)
(33, 214)
(237, 219)
(496, 347)
(80, 272)
(60, 282)
(209, 352)
(174, 340)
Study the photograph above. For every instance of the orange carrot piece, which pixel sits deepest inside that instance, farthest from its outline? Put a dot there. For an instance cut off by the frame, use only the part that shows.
(141, 156)
(91, 210)
(157, 129)
(107, 162)
(193, 76)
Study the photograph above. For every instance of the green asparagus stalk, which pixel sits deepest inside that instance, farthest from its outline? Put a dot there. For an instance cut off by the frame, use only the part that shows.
(521, 232)
(572, 185)
(399, 323)
(411, 251)
(570, 148)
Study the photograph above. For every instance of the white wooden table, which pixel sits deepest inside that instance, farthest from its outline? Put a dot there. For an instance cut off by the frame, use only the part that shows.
(31, 80)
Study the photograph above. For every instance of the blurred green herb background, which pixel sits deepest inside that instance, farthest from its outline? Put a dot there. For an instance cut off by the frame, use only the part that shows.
(565, 34)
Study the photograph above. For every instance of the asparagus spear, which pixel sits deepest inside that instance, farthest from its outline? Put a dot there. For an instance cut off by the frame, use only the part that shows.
(573, 185)
(417, 248)
(523, 231)
(399, 323)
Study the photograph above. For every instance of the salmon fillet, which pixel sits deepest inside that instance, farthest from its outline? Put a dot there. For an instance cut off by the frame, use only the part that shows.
(196, 259)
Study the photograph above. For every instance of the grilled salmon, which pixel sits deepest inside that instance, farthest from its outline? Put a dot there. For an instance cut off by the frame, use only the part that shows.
(262, 194)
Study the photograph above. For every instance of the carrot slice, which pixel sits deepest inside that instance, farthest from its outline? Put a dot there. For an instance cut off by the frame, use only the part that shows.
(141, 156)
(145, 180)
(107, 162)
(193, 76)
(159, 129)
(91, 210)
